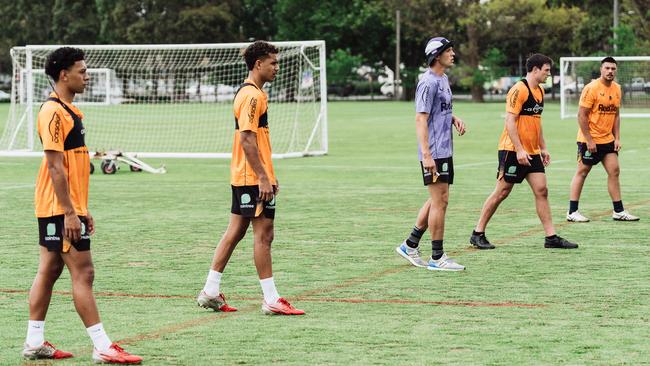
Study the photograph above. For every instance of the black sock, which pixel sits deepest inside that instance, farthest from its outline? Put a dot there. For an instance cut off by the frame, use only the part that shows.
(479, 233)
(414, 239)
(618, 206)
(573, 207)
(552, 237)
(436, 249)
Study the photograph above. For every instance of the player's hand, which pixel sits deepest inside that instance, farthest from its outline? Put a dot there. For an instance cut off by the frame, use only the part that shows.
(591, 146)
(429, 164)
(460, 125)
(546, 157)
(523, 158)
(266, 190)
(72, 227)
(617, 145)
(91, 224)
(276, 187)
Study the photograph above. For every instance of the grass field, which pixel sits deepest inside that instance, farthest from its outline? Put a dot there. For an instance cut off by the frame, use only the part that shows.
(338, 221)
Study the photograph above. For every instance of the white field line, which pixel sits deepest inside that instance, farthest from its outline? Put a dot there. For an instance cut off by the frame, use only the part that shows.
(19, 186)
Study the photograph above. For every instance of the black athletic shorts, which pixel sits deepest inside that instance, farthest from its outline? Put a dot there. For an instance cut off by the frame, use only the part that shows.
(445, 168)
(589, 158)
(50, 232)
(513, 172)
(244, 203)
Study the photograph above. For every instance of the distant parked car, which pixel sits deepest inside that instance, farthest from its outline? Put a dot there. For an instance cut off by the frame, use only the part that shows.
(388, 89)
(572, 87)
(636, 84)
(4, 96)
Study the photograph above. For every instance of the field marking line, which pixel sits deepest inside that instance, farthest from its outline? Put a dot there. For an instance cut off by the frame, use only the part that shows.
(364, 279)
(19, 186)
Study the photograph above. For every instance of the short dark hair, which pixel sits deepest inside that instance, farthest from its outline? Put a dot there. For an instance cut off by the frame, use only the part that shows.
(62, 59)
(537, 60)
(608, 59)
(258, 50)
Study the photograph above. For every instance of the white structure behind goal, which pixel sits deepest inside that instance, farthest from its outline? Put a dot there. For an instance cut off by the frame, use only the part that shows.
(174, 100)
(633, 74)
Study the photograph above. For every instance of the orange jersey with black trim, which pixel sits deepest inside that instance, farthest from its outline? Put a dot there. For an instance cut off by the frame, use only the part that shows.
(60, 130)
(250, 109)
(528, 105)
(604, 103)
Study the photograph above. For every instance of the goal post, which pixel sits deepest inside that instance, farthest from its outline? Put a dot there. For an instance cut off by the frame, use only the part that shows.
(633, 74)
(174, 100)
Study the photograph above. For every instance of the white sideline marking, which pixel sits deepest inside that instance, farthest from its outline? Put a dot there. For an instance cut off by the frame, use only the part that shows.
(17, 186)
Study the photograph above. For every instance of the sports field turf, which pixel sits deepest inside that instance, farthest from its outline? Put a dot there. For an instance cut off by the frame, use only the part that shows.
(338, 221)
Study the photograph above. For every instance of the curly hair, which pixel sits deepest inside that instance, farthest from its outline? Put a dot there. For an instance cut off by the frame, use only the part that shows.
(62, 59)
(258, 50)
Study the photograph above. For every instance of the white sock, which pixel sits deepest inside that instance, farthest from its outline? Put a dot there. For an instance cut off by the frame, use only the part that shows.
(35, 333)
(212, 284)
(98, 335)
(271, 295)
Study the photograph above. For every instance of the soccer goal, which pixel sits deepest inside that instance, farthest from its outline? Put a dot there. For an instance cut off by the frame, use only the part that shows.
(174, 100)
(633, 75)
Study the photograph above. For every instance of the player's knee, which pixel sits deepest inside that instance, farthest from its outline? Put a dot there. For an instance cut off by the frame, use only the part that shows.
(541, 192)
(51, 273)
(614, 173)
(503, 193)
(86, 275)
(268, 237)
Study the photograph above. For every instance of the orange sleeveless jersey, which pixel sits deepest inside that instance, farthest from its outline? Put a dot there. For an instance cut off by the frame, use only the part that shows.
(55, 128)
(604, 102)
(528, 127)
(250, 109)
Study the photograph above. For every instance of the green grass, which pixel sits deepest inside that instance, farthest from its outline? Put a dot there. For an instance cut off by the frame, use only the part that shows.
(339, 218)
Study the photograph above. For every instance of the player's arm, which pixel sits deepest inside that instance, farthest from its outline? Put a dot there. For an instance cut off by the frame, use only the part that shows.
(248, 141)
(71, 223)
(617, 131)
(511, 126)
(459, 124)
(546, 157)
(422, 131)
(583, 122)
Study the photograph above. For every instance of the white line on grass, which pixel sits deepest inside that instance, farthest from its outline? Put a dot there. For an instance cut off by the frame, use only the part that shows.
(20, 186)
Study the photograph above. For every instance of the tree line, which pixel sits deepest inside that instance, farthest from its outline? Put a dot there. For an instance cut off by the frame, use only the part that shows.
(497, 35)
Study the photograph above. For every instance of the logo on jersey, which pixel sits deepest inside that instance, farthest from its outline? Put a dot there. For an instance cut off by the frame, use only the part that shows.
(50, 233)
(512, 170)
(252, 109)
(245, 198)
(537, 109)
(513, 99)
(51, 229)
(445, 167)
(55, 128)
(607, 109)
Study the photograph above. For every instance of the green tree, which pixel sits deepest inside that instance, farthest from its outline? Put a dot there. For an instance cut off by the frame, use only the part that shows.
(75, 22)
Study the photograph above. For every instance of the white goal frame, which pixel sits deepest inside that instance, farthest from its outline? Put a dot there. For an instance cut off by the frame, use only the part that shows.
(564, 64)
(317, 137)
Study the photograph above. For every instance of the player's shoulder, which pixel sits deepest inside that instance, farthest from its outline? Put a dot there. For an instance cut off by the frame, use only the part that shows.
(50, 107)
(519, 87)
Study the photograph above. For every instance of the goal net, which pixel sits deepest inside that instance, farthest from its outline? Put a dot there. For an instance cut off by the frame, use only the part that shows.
(174, 100)
(633, 74)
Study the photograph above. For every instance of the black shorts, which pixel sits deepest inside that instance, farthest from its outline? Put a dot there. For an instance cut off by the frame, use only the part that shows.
(50, 232)
(513, 172)
(445, 168)
(244, 203)
(589, 158)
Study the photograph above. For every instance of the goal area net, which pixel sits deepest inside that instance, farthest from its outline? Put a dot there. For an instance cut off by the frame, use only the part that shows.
(174, 100)
(633, 74)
